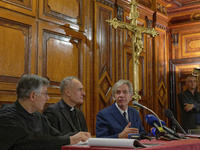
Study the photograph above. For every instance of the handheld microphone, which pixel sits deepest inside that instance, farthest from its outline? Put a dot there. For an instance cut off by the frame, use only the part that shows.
(169, 114)
(135, 103)
(153, 121)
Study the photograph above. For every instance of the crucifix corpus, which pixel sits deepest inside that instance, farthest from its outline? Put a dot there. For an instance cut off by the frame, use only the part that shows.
(137, 44)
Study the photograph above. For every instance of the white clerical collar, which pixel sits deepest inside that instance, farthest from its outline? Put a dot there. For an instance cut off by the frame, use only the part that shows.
(72, 109)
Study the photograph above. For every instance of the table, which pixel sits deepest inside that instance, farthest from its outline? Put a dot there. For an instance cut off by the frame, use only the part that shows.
(184, 144)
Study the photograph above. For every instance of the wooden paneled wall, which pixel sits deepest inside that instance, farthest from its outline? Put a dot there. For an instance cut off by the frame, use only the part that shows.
(48, 38)
(185, 56)
(55, 39)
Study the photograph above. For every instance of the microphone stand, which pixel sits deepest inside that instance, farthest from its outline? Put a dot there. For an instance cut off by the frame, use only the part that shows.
(137, 104)
(159, 130)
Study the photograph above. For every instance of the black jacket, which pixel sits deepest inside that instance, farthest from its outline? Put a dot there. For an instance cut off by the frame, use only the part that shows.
(189, 119)
(20, 130)
(59, 117)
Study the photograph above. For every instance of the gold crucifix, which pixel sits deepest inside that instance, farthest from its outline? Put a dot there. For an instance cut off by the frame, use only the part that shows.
(137, 45)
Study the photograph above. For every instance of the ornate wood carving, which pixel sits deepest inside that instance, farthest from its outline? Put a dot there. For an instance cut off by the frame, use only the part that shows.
(104, 57)
(161, 8)
(107, 3)
(120, 11)
(196, 16)
(190, 45)
(161, 80)
(175, 39)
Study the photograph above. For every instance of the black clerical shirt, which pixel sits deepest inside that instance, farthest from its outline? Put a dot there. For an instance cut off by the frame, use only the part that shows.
(74, 118)
(20, 130)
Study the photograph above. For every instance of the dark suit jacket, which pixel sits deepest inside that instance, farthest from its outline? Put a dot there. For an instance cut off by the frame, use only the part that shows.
(110, 122)
(189, 119)
(59, 117)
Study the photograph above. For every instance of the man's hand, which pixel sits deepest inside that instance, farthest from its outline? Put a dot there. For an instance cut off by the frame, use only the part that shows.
(127, 130)
(188, 107)
(81, 136)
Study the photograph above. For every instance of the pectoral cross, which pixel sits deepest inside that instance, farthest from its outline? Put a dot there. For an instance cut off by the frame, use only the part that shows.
(137, 44)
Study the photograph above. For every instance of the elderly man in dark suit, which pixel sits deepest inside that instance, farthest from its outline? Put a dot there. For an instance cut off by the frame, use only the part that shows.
(189, 101)
(119, 119)
(63, 115)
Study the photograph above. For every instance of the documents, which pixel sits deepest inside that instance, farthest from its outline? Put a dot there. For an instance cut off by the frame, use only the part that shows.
(113, 142)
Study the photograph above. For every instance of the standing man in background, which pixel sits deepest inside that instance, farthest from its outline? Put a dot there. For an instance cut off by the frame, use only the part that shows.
(63, 115)
(22, 127)
(119, 119)
(189, 101)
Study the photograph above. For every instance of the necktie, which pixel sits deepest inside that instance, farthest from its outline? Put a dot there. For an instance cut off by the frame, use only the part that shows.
(124, 114)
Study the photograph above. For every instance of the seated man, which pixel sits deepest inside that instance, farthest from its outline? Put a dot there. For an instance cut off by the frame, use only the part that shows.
(22, 127)
(119, 119)
(63, 115)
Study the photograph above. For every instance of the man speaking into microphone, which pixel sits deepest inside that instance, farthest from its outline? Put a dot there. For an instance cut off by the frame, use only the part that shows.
(119, 120)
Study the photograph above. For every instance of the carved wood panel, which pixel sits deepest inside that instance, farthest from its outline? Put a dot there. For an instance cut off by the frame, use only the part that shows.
(190, 43)
(17, 49)
(70, 13)
(160, 68)
(104, 57)
(62, 53)
(23, 6)
(185, 42)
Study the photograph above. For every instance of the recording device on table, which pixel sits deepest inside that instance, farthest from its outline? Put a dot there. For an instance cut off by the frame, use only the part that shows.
(161, 130)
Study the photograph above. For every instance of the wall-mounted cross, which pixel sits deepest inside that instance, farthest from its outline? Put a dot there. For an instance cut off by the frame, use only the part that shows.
(137, 44)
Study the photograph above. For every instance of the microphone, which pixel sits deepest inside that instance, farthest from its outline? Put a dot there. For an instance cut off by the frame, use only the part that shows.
(153, 131)
(153, 121)
(169, 114)
(172, 132)
(138, 104)
(135, 103)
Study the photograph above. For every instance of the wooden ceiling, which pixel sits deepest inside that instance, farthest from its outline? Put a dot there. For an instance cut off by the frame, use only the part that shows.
(176, 4)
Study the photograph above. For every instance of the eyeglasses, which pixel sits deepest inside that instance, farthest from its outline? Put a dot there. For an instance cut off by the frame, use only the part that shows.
(45, 94)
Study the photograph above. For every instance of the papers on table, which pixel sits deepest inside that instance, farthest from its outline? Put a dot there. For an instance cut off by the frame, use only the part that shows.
(113, 142)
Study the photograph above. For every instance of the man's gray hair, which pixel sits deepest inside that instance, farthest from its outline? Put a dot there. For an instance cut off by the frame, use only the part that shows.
(29, 83)
(119, 83)
(66, 82)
